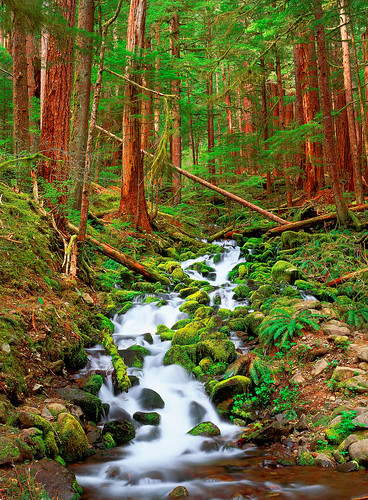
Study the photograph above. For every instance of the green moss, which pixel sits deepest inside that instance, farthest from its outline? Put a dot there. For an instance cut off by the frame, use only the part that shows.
(181, 323)
(224, 313)
(51, 446)
(177, 355)
(93, 384)
(283, 271)
(108, 440)
(9, 452)
(305, 458)
(178, 274)
(229, 388)
(242, 292)
(123, 310)
(218, 350)
(123, 381)
(203, 312)
(164, 332)
(143, 286)
(205, 429)
(73, 441)
(238, 324)
(201, 297)
(189, 307)
(189, 334)
(105, 323)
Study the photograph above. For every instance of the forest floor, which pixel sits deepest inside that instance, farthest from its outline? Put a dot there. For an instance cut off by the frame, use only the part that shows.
(47, 319)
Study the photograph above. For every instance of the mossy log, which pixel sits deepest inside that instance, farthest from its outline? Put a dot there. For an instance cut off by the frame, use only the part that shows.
(346, 277)
(296, 226)
(122, 258)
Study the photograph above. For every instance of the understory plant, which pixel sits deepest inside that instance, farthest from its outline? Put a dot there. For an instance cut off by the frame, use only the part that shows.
(283, 326)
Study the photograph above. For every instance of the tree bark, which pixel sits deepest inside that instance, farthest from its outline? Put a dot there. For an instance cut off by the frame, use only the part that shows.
(146, 105)
(20, 88)
(81, 97)
(341, 207)
(210, 127)
(357, 169)
(133, 202)
(265, 123)
(175, 89)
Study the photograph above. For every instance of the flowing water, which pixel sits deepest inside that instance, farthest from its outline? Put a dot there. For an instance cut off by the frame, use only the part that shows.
(163, 457)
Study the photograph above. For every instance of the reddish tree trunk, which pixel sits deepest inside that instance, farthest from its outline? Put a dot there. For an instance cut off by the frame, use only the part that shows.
(330, 152)
(265, 123)
(299, 111)
(33, 74)
(81, 97)
(357, 168)
(157, 86)
(146, 106)
(176, 136)
(133, 202)
(218, 119)
(20, 88)
(210, 127)
(192, 145)
(56, 107)
(309, 83)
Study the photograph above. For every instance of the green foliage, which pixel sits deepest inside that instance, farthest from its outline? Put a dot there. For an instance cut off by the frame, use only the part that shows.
(285, 402)
(356, 314)
(284, 325)
(259, 370)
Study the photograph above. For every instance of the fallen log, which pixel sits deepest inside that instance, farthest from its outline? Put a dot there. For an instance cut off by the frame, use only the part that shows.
(237, 199)
(221, 233)
(123, 259)
(346, 277)
(295, 226)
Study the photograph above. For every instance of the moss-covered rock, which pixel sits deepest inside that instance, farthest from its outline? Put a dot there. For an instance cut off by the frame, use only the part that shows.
(229, 388)
(121, 431)
(283, 271)
(238, 324)
(26, 420)
(207, 429)
(73, 441)
(254, 321)
(92, 384)
(242, 292)
(181, 323)
(90, 405)
(189, 307)
(184, 292)
(164, 332)
(203, 312)
(262, 294)
(147, 418)
(293, 239)
(128, 305)
(177, 355)
(105, 323)
(178, 274)
(201, 297)
(9, 452)
(224, 313)
(222, 351)
(134, 356)
(187, 335)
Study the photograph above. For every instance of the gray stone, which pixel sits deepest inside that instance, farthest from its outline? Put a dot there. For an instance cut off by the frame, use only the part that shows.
(319, 367)
(358, 384)
(348, 467)
(363, 354)
(334, 327)
(361, 420)
(323, 460)
(302, 423)
(297, 379)
(359, 451)
(344, 446)
(87, 299)
(342, 373)
(5, 347)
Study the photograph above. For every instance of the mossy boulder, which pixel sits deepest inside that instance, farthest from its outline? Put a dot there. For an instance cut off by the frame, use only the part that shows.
(238, 324)
(189, 334)
(207, 429)
(285, 272)
(293, 239)
(203, 312)
(201, 297)
(128, 305)
(189, 307)
(147, 418)
(144, 286)
(9, 452)
(184, 292)
(222, 351)
(8, 413)
(164, 332)
(27, 420)
(105, 323)
(92, 384)
(90, 405)
(134, 355)
(229, 388)
(73, 441)
(181, 323)
(121, 431)
(177, 355)
(224, 313)
(242, 292)
(254, 321)
(178, 274)
(262, 294)
(208, 335)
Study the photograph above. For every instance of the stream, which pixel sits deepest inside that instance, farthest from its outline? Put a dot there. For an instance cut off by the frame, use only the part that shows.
(165, 456)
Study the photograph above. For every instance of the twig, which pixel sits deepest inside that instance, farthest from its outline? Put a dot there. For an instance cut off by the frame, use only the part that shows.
(9, 238)
(172, 96)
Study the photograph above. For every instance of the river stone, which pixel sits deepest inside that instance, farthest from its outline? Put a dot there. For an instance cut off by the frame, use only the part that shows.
(302, 423)
(283, 271)
(319, 367)
(323, 460)
(134, 355)
(121, 430)
(9, 452)
(297, 379)
(347, 467)
(73, 441)
(150, 399)
(179, 492)
(90, 405)
(58, 481)
(359, 451)
(206, 429)
(342, 373)
(345, 445)
(229, 388)
(147, 418)
(196, 412)
(361, 420)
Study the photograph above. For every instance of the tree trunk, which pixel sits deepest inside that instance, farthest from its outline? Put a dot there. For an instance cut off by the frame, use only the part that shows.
(133, 202)
(192, 146)
(265, 123)
(146, 105)
(20, 88)
(210, 127)
(300, 117)
(81, 97)
(218, 120)
(175, 89)
(56, 110)
(282, 127)
(341, 207)
(157, 86)
(357, 169)
(33, 74)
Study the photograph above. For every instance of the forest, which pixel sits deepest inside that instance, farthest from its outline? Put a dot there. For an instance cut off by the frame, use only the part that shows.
(183, 249)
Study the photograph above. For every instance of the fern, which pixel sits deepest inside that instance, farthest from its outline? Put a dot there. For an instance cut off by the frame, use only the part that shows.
(283, 326)
(259, 370)
(356, 315)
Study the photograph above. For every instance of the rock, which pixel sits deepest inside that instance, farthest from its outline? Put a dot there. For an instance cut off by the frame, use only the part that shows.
(121, 430)
(359, 451)
(207, 429)
(283, 271)
(73, 441)
(209, 446)
(164, 332)
(342, 373)
(319, 367)
(304, 456)
(56, 408)
(134, 355)
(189, 334)
(347, 467)
(150, 399)
(46, 414)
(344, 446)
(201, 297)
(87, 299)
(147, 418)
(238, 367)
(58, 481)
(9, 452)
(26, 420)
(338, 457)
(196, 412)
(315, 353)
(220, 350)
(254, 320)
(363, 354)
(341, 340)
(90, 405)
(179, 492)
(178, 355)
(297, 379)
(185, 292)
(308, 305)
(302, 423)
(189, 307)
(93, 434)
(57, 367)
(363, 366)
(361, 420)
(336, 328)
(229, 388)
(358, 384)
(323, 460)
(5, 347)
(92, 384)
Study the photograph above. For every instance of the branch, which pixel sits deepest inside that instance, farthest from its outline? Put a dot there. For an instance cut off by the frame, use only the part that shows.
(112, 19)
(172, 96)
(7, 72)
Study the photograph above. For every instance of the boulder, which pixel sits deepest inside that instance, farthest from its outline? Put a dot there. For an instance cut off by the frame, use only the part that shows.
(359, 451)
(323, 460)
(189, 307)
(121, 430)
(164, 332)
(134, 355)
(92, 384)
(177, 355)
(254, 320)
(336, 328)
(179, 492)
(363, 354)
(283, 271)
(185, 292)
(206, 429)
(297, 379)
(229, 388)
(90, 405)
(9, 452)
(222, 351)
(357, 385)
(150, 399)
(342, 373)
(147, 418)
(73, 441)
(201, 297)
(319, 367)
